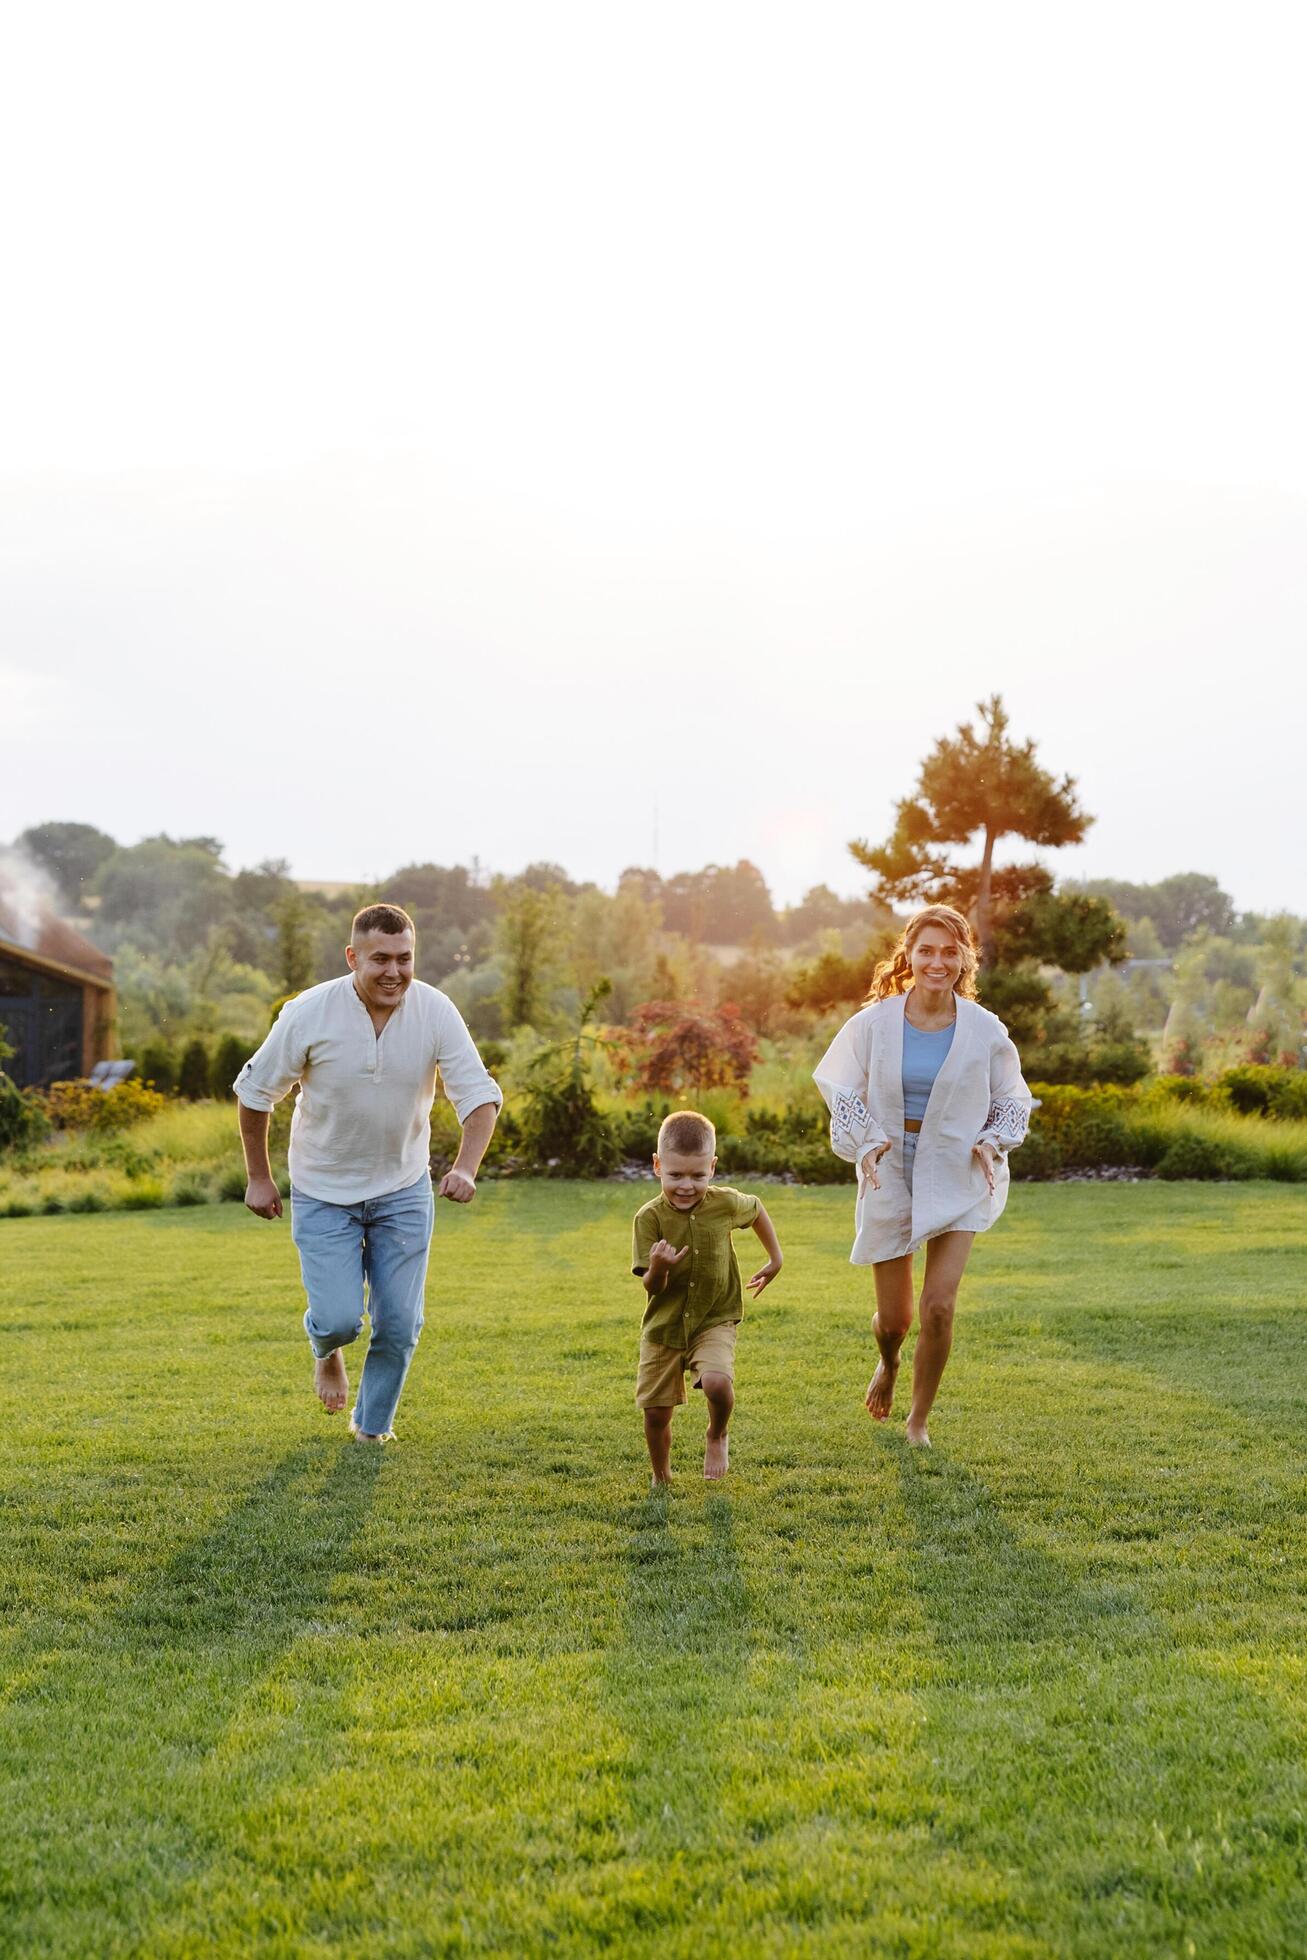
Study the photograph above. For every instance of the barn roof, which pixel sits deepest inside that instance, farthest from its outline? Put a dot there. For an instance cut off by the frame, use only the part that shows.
(48, 942)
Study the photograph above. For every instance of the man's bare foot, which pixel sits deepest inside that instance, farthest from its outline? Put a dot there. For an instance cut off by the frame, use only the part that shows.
(716, 1456)
(331, 1382)
(880, 1390)
(917, 1435)
(365, 1435)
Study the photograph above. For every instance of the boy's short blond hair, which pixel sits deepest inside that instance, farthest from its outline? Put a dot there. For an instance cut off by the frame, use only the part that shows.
(685, 1130)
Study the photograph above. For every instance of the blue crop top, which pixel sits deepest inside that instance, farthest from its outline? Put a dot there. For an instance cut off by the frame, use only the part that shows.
(923, 1058)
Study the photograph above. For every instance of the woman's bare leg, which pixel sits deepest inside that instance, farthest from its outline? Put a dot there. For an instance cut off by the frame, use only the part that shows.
(890, 1323)
(946, 1259)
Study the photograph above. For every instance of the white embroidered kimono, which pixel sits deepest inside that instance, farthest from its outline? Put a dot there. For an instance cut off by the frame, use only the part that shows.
(979, 1095)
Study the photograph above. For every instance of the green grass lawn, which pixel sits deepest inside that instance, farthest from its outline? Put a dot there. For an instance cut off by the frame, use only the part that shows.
(1040, 1692)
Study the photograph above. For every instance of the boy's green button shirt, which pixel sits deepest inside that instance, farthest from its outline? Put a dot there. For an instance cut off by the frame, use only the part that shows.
(703, 1290)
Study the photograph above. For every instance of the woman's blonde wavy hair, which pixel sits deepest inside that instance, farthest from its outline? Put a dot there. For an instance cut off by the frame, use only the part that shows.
(894, 975)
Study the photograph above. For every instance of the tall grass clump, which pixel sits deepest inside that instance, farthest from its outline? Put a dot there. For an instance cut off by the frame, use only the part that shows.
(1155, 1130)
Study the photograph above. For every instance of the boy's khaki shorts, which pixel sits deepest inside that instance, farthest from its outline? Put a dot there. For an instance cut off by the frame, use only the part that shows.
(660, 1383)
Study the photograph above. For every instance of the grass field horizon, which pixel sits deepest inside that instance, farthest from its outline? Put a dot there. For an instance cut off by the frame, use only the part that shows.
(1041, 1691)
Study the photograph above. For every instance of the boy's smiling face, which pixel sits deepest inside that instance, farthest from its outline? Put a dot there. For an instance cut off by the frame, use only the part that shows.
(685, 1175)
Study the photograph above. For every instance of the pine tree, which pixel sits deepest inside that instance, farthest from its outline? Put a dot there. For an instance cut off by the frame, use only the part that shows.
(974, 785)
(294, 945)
(193, 1075)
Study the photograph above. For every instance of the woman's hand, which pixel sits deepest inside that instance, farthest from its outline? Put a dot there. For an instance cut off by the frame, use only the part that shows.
(869, 1163)
(988, 1158)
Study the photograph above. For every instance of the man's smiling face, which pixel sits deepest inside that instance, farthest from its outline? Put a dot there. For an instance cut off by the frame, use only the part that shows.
(382, 965)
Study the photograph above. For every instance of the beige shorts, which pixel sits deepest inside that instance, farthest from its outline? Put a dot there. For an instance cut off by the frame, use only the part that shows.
(660, 1383)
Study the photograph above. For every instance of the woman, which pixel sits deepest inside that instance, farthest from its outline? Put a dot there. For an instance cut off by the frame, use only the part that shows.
(926, 1098)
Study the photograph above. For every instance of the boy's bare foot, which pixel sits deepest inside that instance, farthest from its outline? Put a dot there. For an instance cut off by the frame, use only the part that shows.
(661, 1483)
(716, 1456)
(331, 1382)
(880, 1390)
(917, 1435)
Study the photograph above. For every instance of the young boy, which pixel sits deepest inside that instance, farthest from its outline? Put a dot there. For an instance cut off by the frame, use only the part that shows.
(682, 1251)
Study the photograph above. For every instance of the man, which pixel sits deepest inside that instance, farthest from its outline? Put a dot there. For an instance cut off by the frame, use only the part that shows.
(364, 1050)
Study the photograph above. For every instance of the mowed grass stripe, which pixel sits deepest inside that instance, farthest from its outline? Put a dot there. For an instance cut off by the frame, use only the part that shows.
(482, 1694)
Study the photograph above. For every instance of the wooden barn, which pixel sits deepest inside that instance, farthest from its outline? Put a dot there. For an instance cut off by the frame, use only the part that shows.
(56, 1000)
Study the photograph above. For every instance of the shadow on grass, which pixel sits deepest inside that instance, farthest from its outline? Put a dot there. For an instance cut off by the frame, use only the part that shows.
(1248, 1362)
(986, 1591)
(675, 1678)
(106, 1748)
(1054, 1697)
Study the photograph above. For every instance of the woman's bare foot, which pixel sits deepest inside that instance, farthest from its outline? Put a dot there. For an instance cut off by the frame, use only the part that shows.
(880, 1390)
(917, 1435)
(331, 1382)
(716, 1455)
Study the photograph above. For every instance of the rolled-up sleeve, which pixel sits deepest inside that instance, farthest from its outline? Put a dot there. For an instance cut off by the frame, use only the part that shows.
(464, 1077)
(644, 1236)
(841, 1075)
(273, 1072)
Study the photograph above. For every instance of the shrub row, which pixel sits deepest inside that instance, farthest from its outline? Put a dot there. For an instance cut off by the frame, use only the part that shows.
(149, 1192)
(1155, 1130)
(197, 1070)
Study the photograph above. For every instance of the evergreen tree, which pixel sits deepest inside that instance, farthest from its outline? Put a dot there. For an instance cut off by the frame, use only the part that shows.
(294, 945)
(985, 786)
(229, 1058)
(971, 785)
(193, 1075)
(528, 939)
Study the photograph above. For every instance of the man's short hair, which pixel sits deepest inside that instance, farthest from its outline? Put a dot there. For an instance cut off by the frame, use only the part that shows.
(685, 1130)
(381, 918)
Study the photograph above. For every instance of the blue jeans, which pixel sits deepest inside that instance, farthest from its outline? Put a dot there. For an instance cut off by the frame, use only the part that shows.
(381, 1244)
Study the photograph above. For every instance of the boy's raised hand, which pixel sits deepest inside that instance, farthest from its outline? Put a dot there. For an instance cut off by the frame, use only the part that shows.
(663, 1256)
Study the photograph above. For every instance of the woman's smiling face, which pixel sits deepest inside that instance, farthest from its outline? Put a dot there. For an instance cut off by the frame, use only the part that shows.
(936, 959)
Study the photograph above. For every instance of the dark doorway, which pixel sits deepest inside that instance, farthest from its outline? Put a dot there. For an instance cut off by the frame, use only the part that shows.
(41, 1019)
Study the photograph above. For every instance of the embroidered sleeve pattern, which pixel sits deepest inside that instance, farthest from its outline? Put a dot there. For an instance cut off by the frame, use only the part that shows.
(1007, 1121)
(850, 1119)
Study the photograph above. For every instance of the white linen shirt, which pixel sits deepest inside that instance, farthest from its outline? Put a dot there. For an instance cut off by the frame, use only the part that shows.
(362, 1122)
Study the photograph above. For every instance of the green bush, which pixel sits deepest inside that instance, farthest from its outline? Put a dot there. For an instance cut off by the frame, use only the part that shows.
(1257, 1089)
(193, 1075)
(157, 1065)
(1039, 1157)
(22, 1120)
(91, 1197)
(773, 1155)
(636, 1129)
(1150, 1139)
(1193, 1155)
(1086, 1126)
(565, 1131)
(189, 1187)
(1087, 1063)
(231, 1185)
(79, 1106)
(142, 1194)
(229, 1058)
(1180, 1089)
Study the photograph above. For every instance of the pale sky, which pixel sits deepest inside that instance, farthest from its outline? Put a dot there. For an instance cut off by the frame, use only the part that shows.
(530, 431)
